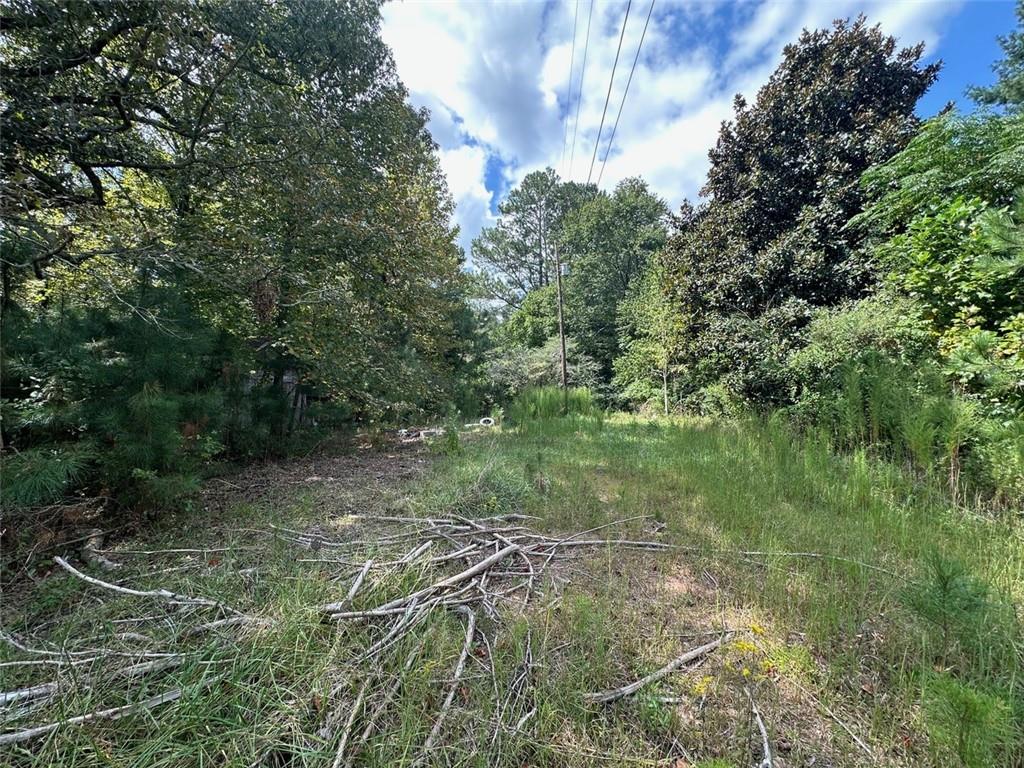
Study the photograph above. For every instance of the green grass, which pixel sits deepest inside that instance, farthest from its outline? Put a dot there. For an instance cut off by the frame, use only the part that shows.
(542, 404)
(906, 630)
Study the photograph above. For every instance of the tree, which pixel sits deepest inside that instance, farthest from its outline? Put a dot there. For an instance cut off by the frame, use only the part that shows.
(1008, 90)
(517, 255)
(607, 243)
(239, 185)
(649, 338)
(953, 155)
(945, 225)
(770, 243)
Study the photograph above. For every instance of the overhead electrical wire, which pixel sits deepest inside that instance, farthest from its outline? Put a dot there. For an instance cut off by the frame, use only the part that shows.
(608, 96)
(583, 73)
(568, 104)
(623, 102)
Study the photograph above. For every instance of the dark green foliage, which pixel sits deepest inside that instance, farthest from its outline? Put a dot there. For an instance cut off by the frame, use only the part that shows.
(864, 278)
(768, 247)
(841, 100)
(139, 394)
(41, 476)
(534, 321)
(946, 227)
(607, 243)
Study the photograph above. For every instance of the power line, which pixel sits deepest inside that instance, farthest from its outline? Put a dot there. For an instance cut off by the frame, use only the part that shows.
(568, 104)
(583, 73)
(623, 102)
(609, 94)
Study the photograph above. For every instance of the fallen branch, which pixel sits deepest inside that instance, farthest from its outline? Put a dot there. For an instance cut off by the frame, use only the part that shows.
(14, 737)
(766, 761)
(162, 594)
(335, 609)
(91, 551)
(47, 690)
(358, 705)
(378, 710)
(836, 719)
(604, 697)
(229, 622)
(34, 692)
(627, 543)
(459, 667)
(358, 582)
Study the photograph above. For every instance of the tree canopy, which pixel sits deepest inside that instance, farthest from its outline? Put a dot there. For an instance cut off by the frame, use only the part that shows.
(246, 173)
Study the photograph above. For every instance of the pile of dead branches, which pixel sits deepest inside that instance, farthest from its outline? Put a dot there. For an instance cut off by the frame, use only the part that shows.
(395, 574)
(477, 567)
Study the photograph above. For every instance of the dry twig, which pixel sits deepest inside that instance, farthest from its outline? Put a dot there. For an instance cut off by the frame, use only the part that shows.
(604, 697)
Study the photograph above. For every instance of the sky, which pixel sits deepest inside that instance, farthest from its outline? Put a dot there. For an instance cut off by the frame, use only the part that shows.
(495, 77)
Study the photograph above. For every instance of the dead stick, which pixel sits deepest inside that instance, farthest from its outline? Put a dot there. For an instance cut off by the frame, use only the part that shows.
(835, 717)
(46, 690)
(410, 556)
(358, 581)
(483, 565)
(163, 594)
(35, 692)
(209, 626)
(628, 543)
(459, 667)
(604, 697)
(383, 704)
(349, 723)
(14, 737)
(766, 761)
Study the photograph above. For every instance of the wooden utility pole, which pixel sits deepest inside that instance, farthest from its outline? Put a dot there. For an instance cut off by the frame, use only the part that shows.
(561, 324)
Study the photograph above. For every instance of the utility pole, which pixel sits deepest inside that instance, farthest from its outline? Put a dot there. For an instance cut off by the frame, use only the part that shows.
(561, 324)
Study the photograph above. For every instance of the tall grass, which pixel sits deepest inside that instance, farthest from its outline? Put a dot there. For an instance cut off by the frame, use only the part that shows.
(546, 403)
(913, 417)
(895, 559)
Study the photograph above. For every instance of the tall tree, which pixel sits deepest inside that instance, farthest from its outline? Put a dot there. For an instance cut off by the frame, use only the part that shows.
(607, 243)
(769, 244)
(240, 185)
(517, 255)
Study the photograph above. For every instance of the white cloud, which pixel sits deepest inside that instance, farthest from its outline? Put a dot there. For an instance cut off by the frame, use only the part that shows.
(496, 79)
(465, 167)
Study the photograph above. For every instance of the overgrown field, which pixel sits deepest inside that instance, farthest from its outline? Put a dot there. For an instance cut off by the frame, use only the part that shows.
(862, 618)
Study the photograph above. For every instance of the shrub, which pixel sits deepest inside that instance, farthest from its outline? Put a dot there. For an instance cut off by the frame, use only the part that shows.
(513, 369)
(716, 400)
(42, 475)
(870, 374)
(972, 724)
(883, 324)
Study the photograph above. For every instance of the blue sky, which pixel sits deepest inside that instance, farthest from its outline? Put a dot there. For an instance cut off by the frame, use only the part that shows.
(496, 79)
